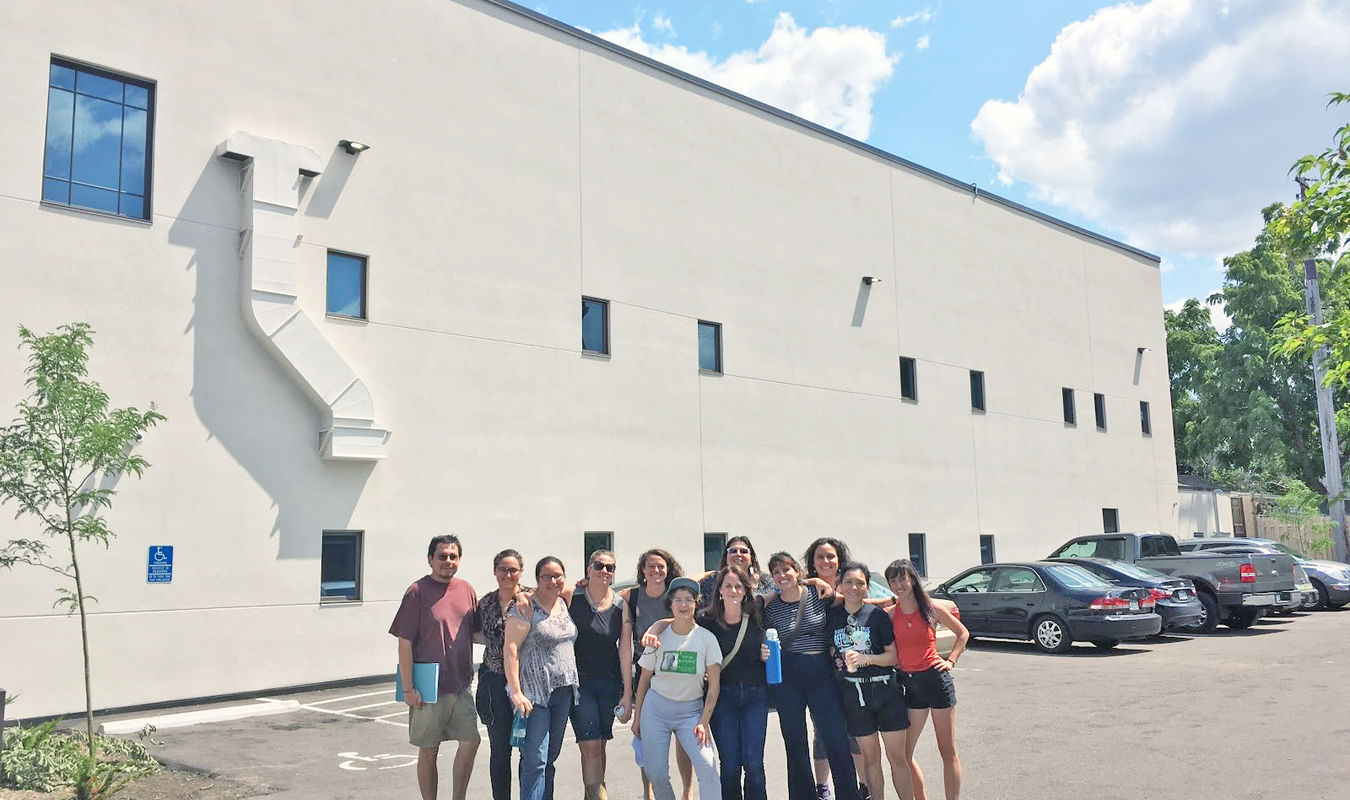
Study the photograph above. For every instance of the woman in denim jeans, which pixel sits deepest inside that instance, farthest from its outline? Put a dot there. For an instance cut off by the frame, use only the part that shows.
(494, 706)
(741, 716)
(604, 654)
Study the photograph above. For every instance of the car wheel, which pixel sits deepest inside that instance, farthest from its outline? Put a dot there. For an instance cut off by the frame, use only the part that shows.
(1209, 613)
(1240, 619)
(1050, 634)
(1106, 644)
(1323, 598)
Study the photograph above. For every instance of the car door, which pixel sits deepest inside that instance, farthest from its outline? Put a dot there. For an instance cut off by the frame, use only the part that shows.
(1015, 595)
(969, 592)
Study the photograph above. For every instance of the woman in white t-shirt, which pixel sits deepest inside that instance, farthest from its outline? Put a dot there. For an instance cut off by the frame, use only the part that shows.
(671, 699)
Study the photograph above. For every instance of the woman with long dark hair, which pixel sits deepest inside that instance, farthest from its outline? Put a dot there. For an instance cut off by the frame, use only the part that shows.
(740, 553)
(822, 559)
(926, 676)
(741, 717)
(492, 702)
(797, 612)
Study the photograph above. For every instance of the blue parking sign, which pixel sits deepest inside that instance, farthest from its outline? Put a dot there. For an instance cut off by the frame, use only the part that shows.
(159, 564)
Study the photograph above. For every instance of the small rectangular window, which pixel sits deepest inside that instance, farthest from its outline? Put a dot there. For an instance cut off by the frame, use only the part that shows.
(1099, 407)
(713, 546)
(340, 566)
(709, 346)
(1145, 424)
(595, 325)
(987, 548)
(346, 285)
(592, 541)
(909, 386)
(1070, 410)
(98, 151)
(976, 390)
(1110, 520)
(918, 553)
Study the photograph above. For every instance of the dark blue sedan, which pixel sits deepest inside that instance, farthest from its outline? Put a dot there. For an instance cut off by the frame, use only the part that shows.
(1175, 598)
(1053, 605)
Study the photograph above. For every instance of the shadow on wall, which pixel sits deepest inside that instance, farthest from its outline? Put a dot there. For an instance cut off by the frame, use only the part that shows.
(242, 394)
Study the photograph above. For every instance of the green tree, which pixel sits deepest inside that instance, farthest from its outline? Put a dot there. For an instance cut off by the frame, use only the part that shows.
(58, 461)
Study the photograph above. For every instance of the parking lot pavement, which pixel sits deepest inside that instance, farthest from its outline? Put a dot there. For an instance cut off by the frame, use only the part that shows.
(1258, 714)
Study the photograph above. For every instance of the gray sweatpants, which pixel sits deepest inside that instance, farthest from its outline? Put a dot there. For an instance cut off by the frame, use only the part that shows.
(660, 719)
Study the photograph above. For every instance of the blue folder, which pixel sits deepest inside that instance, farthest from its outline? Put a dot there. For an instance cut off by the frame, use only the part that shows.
(426, 679)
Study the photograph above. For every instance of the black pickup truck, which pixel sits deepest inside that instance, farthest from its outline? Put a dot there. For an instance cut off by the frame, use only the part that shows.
(1234, 589)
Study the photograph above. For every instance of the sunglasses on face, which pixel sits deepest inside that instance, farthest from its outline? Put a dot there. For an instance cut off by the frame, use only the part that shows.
(738, 551)
(446, 557)
(600, 565)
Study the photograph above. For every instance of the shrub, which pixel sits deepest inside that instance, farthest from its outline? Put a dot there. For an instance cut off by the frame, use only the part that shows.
(41, 758)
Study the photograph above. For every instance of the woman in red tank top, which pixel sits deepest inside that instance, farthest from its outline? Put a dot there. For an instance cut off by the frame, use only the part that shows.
(925, 674)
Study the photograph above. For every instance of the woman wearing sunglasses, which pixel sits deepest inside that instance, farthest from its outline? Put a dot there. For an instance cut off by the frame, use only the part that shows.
(492, 701)
(604, 654)
(739, 553)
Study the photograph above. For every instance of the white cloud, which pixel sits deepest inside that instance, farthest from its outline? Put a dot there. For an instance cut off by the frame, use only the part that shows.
(1175, 121)
(662, 23)
(827, 75)
(902, 20)
(922, 44)
(1217, 317)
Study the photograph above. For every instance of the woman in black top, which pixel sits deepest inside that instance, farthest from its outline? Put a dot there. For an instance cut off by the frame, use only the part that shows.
(797, 612)
(739, 552)
(741, 716)
(493, 704)
(604, 653)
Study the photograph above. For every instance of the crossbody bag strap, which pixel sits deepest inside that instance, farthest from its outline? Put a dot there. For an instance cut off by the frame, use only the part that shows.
(740, 637)
(797, 620)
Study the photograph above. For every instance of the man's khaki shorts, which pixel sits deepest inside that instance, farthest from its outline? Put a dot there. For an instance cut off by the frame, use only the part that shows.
(450, 718)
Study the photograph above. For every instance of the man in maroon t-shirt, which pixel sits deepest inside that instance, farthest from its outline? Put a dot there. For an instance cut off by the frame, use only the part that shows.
(435, 623)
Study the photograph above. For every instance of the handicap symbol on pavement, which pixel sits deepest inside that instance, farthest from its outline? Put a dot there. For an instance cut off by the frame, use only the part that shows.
(353, 758)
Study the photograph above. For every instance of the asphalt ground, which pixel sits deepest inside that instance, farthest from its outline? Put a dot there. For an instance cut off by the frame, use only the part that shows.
(1263, 713)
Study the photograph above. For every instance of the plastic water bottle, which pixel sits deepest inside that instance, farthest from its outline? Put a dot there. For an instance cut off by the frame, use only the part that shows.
(518, 730)
(773, 668)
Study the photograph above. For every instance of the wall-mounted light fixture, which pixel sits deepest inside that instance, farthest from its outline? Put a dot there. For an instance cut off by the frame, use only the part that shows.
(1143, 350)
(868, 280)
(351, 147)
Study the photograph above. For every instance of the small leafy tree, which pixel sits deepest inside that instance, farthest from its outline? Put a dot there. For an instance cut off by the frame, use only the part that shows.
(58, 461)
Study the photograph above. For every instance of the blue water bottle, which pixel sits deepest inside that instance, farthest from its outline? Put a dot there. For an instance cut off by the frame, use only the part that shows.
(518, 730)
(773, 668)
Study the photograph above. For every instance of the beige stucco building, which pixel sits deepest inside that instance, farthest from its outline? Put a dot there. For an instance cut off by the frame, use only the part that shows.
(514, 167)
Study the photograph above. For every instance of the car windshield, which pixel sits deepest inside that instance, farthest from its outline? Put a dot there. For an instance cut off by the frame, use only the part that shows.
(1284, 548)
(1073, 577)
(1136, 571)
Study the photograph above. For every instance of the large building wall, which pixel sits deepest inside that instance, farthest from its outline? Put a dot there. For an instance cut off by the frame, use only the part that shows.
(516, 167)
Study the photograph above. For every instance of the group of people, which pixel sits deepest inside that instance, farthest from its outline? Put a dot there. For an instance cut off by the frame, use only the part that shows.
(684, 658)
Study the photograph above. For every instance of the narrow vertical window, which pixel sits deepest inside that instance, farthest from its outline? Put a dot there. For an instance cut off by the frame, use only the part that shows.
(346, 285)
(987, 548)
(709, 346)
(340, 566)
(1099, 407)
(592, 541)
(595, 325)
(909, 386)
(1145, 424)
(918, 553)
(1070, 410)
(976, 390)
(714, 544)
(98, 140)
(1110, 520)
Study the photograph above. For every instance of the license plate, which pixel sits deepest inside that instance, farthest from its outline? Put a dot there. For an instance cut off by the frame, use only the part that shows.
(1134, 605)
(1182, 595)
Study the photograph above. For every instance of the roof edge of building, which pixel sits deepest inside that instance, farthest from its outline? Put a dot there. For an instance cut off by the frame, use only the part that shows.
(624, 52)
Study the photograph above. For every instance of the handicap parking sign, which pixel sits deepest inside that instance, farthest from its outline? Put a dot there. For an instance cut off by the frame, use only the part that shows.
(159, 564)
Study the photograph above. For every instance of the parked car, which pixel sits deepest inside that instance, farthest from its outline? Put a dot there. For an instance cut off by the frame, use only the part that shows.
(1331, 579)
(1176, 600)
(1305, 594)
(1053, 605)
(1233, 588)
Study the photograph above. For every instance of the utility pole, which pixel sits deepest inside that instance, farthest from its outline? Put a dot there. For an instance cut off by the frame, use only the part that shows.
(1326, 411)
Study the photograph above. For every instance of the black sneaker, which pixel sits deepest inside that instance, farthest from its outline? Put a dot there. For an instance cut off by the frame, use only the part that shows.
(864, 793)
(822, 791)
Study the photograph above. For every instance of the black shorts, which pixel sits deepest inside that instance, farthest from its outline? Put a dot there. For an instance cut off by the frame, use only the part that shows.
(929, 689)
(874, 706)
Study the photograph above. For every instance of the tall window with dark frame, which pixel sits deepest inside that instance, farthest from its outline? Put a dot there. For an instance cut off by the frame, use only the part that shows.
(976, 390)
(1145, 423)
(709, 346)
(918, 553)
(98, 149)
(1070, 408)
(340, 566)
(346, 285)
(595, 325)
(713, 546)
(1099, 408)
(909, 379)
(592, 541)
(987, 548)
(1110, 520)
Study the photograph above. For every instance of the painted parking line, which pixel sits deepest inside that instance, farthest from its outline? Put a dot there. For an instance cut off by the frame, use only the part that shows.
(352, 697)
(335, 712)
(370, 705)
(400, 713)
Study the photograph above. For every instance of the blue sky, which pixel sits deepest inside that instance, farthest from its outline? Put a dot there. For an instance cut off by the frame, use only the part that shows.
(1167, 124)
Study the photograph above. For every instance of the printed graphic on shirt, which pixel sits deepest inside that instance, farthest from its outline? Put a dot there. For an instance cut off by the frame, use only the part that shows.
(684, 662)
(859, 639)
